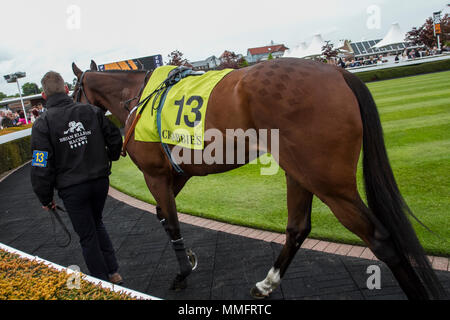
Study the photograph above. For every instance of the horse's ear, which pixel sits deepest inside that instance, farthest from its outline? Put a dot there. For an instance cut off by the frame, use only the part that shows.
(76, 70)
(93, 66)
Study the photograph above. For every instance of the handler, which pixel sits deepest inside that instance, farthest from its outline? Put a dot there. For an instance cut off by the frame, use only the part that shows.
(72, 147)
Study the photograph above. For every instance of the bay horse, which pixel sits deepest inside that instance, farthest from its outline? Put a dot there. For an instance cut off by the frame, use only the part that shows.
(325, 116)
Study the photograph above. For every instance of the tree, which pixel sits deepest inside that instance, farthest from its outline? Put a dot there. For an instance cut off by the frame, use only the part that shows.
(176, 59)
(229, 60)
(2, 96)
(329, 51)
(242, 63)
(413, 37)
(30, 88)
(424, 35)
(270, 57)
(445, 29)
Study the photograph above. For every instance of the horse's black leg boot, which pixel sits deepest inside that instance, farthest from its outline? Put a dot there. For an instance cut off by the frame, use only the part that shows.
(183, 260)
(178, 247)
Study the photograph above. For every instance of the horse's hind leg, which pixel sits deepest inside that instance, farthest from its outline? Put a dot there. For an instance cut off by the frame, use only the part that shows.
(351, 211)
(164, 188)
(299, 202)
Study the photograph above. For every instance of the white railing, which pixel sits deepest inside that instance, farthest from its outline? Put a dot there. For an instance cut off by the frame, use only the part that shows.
(15, 135)
(400, 63)
(20, 134)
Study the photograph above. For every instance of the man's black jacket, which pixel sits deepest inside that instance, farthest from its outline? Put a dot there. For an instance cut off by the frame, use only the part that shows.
(71, 143)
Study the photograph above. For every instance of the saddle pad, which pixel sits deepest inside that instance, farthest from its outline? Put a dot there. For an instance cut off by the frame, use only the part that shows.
(183, 110)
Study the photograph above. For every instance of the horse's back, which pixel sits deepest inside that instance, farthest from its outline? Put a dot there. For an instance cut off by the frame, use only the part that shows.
(317, 114)
(281, 93)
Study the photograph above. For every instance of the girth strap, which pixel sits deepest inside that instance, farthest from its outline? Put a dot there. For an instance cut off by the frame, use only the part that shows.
(158, 123)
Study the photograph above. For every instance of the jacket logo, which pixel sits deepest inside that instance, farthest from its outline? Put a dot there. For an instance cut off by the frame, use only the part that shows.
(76, 136)
(74, 126)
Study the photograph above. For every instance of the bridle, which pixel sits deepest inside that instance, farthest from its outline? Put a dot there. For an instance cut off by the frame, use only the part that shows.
(81, 89)
(126, 104)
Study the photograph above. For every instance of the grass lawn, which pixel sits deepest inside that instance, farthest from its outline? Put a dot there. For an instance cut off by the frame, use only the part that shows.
(415, 114)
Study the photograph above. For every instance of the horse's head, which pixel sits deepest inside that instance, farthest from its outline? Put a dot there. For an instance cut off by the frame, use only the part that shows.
(109, 90)
(81, 90)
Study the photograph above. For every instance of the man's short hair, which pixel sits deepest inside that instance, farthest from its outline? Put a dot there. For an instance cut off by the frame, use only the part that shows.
(52, 83)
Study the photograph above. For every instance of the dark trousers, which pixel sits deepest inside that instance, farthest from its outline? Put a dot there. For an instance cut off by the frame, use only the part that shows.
(84, 204)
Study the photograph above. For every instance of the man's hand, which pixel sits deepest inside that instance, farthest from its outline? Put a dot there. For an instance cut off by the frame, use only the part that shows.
(50, 206)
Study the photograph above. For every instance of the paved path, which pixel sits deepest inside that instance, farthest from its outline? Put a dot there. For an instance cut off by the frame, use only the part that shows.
(229, 264)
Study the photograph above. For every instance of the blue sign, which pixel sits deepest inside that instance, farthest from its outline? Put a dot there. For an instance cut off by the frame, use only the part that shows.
(39, 158)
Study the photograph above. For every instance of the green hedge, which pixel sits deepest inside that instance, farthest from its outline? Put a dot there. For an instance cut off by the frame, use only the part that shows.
(15, 153)
(404, 71)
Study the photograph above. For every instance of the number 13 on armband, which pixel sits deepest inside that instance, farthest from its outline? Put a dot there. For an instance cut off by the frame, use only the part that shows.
(39, 158)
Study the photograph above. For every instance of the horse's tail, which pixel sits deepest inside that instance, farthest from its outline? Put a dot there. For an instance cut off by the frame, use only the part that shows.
(384, 198)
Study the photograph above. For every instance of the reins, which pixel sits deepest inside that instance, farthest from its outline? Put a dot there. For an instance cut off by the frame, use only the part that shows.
(62, 224)
(125, 103)
(130, 131)
(174, 77)
(142, 103)
(161, 91)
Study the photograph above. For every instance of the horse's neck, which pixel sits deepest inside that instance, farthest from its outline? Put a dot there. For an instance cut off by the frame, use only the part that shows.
(116, 93)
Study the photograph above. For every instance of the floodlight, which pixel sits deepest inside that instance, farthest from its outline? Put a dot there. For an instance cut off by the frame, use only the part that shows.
(14, 77)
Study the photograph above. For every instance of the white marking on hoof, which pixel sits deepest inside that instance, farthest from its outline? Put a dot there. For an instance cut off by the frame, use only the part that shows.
(270, 283)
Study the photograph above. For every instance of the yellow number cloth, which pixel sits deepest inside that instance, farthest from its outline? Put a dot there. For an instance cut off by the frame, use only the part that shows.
(183, 112)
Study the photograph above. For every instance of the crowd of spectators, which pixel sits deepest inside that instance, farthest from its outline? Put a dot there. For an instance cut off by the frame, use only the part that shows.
(359, 62)
(15, 119)
(407, 54)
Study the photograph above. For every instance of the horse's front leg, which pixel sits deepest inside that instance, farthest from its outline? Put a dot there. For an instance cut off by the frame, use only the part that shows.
(164, 189)
(299, 201)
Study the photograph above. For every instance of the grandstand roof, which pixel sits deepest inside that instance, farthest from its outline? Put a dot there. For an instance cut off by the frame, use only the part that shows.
(395, 35)
(314, 48)
(25, 98)
(365, 48)
(297, 51)
(6, 102)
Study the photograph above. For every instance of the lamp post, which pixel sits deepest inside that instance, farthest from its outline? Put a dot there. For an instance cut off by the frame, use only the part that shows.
(14, 77)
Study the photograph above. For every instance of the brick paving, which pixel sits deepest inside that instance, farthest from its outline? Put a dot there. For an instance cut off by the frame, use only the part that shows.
(442, 263)
(231, 258)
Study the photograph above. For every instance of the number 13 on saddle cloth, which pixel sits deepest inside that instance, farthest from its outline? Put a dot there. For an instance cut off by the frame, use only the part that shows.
(181, 115)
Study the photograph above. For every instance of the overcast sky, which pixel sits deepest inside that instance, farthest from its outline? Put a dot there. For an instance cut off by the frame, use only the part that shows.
(38, 36)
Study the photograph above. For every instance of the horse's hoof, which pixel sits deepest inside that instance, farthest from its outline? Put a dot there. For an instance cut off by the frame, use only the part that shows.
(192, 259)
(179, 283)
(256, 294)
